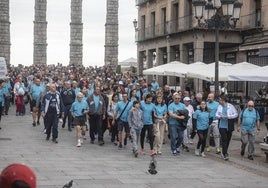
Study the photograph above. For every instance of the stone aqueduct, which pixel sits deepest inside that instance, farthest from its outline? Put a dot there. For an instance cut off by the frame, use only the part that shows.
(76, 32)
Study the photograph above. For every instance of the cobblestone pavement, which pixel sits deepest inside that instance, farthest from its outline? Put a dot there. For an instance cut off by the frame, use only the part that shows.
(106, 166)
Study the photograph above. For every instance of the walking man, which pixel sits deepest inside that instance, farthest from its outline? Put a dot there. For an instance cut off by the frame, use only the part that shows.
(248, 124)
(97, 110)
(51, 109)
(212, 105)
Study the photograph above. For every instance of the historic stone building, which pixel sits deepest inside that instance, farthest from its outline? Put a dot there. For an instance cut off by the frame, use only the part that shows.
(5, 30)
(111, 34)
(76, 43)
(168, 31)
(40, 32)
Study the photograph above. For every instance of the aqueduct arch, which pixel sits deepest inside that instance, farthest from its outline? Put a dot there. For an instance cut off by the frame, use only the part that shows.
(76, 32)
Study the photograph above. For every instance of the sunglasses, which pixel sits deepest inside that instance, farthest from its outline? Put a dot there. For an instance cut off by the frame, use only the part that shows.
(250, 106)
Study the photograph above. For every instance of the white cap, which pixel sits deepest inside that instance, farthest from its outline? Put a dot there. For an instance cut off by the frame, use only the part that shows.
(121, 82)
(186, 99)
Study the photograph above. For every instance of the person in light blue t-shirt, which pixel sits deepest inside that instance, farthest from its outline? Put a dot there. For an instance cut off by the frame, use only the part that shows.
(79, 109)
(147, 108)
(248, 124)
(201, 124)
(175, 130)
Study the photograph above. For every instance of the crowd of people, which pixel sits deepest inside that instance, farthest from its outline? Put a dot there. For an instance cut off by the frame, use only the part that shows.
(132, 110)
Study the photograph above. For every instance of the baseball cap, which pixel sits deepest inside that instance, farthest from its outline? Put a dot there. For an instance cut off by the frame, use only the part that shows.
(186, 99)
(17, 172)
(121, 82)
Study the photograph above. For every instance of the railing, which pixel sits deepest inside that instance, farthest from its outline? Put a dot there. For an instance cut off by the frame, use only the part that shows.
(188, 22)
(166, 28)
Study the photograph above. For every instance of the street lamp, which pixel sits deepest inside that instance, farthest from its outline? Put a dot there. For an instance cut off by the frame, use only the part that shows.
(217, 14)
(135, 24)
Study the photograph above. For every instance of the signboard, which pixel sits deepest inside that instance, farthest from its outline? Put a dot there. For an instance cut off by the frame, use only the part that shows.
(3, 68)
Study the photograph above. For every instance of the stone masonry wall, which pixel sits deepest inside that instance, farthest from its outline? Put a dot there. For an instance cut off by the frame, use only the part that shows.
(4, 30)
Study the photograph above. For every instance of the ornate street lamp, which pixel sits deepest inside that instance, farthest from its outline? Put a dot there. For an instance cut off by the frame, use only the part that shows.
(217, 14)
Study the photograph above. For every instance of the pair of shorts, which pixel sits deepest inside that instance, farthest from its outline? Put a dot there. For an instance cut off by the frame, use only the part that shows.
(123, 125)
(79, 121)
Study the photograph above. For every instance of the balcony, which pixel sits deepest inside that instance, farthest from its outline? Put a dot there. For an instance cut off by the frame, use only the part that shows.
(250, 24)
(142, 2)
(166, 28)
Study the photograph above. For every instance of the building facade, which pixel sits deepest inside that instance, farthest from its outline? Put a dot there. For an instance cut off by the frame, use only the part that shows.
(168, 31)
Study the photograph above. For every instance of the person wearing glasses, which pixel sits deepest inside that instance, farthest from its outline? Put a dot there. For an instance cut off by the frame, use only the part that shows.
(248, 124)
(226, 113)
(176, 131)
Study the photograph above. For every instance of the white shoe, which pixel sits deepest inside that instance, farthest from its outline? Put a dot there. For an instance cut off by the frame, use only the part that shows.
(81, 141)
(196, 151)
(203, 154)
(78, 143)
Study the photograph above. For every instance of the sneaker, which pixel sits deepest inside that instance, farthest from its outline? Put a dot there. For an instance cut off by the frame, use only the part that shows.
(69, 129)
(136, 153)
(159, 153)
(178, 151)
(152, 152)
(55, 140)
(120, 146)
(142, 151)
(250, 157)
(47, 138)
(203, 154)
(34, 124)
(81, 141)
(45, 131)
(101, 143)
(115, 143)
(125, 141)
(207, 149)
(186, 149)
(84, 137)
(225, 157)
(196, 151)
(174, 152)
(38, 123)
(218, 151)
(78, 143)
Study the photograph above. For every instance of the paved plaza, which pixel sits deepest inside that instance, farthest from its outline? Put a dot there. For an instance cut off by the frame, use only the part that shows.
(106, 166)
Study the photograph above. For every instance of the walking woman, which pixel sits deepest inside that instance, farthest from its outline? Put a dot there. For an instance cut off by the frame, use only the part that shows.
(111, 114)
(201, 124)
(147, 108)
(160, 115)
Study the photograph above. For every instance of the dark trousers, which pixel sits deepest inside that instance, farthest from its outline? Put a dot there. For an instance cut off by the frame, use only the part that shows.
(7, 104)
(202, 135)
(149, 129)
(68, 114)
(225, 139)
(51, 121)
(1, 110)
(114, 131)
(95, 122)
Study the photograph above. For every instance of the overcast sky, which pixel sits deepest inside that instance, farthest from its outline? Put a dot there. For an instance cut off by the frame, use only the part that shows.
(58, 31)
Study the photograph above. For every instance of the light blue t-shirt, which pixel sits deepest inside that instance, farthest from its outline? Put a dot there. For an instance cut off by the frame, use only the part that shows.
(35, 91)
(77, 107)
(160, 110)
(213, 106)
(202, 119)
(120, 107)
(147, 112)
(96, 102)
(249, 119)
(224, 122)
(173, 107)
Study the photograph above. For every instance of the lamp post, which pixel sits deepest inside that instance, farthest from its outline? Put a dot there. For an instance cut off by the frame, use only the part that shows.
(217, 14)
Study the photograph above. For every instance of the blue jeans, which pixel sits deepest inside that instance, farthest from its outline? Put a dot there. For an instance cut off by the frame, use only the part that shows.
(176, 136)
